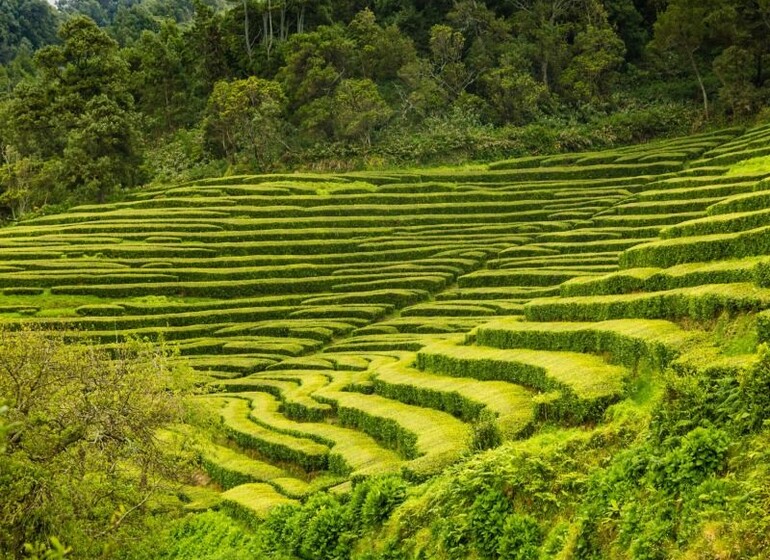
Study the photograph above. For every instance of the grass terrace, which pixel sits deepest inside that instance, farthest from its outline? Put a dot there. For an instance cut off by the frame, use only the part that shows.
(345, 326)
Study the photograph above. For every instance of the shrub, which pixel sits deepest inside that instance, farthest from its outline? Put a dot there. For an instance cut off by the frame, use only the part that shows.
(701, 453)
(488, 516)
(381, 497)
(486, 434)
(520, 539)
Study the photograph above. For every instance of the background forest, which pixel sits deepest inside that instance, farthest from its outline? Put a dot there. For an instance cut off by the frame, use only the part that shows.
(99, 95)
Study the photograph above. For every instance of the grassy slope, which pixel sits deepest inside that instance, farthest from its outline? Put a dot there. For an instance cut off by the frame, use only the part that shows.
(346, 317)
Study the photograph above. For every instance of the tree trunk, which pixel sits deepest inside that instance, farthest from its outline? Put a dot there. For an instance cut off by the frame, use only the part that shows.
(246, 32)
(284, 28)
(270, 28)
(700, 83)
(301, 20)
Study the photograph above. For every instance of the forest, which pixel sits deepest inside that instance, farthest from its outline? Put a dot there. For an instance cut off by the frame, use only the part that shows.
(102, 95)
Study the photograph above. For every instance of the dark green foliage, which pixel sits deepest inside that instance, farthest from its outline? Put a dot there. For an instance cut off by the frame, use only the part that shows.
(325, 527)
(521, 538)
(394, 82)
(373, 500)
(488, 518)
(700, 454)
(29, 24)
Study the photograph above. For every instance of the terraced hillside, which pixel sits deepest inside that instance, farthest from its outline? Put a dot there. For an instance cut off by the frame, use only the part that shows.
(365, 323)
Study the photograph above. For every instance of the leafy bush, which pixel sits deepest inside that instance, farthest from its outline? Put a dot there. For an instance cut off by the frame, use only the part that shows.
(382, 496)
(521, 538)
(486, 433)
(488, 516)
(701, 453)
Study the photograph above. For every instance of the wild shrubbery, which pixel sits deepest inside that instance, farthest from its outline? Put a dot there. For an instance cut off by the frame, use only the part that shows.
(80, 457)
(326, 527)
(686, 472)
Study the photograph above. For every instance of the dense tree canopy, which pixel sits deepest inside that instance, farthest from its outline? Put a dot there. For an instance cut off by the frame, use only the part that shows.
(403, 80)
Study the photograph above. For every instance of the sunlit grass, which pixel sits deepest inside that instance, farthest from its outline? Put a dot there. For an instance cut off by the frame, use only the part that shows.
(751, 166)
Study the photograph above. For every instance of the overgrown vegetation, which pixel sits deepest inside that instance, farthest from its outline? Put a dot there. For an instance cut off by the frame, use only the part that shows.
(81, 463)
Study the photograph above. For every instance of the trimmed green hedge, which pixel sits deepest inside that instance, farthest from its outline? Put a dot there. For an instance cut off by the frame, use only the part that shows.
(516, 277)
(566, 173)
(701, 303)
(627, 341)
(588, 383)
(309, 455)
(720, 223)
(750, 202)
(675, 251)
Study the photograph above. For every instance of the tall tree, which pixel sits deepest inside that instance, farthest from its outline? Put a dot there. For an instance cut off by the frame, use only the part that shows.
(685, 28)
(80, 458)
(360, 110)
(244, 118)
(78, 107)
(546, 24)
(161, 79)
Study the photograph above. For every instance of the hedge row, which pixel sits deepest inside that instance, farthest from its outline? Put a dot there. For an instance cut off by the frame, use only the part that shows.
(309, 455)
(171, 225)
(296, 403)
(734, 156)
(431, 438)
(701, 303)
(395, 297)
(462, 398)
(607, 171)
(43, 280)
(587, 377)
(670, 252)
(251, 503)
(645, 220)
(717, 224)
(621, 282)
(427, 283)
(391, 256)
(664, 206)
(262, 287)
(584, 235)
(191, 318)
(352, 451)
(322, 330)
(230, 468)
(385, 343)
(163, 306)
(610, 245)
(680, 276)
(239, 365)
(349, 311)
(516, 277)
(550, 261)
(296, 202)
(627, 341)
(750, 202)
(507, 293)
(449, 309)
